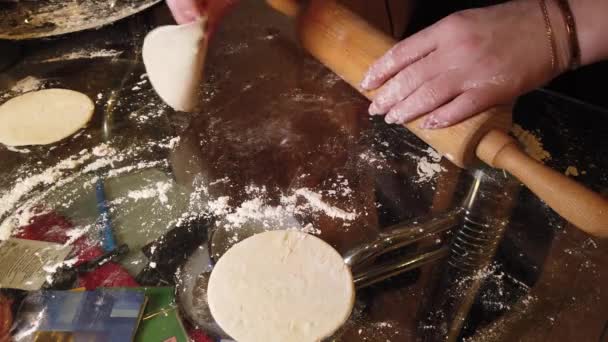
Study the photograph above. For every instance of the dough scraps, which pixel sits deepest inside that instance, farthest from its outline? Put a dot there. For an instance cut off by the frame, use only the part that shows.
(174, 57)
(282, 286)
(44, 117)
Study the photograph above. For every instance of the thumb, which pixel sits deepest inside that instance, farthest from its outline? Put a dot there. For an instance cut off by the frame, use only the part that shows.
(185, 11)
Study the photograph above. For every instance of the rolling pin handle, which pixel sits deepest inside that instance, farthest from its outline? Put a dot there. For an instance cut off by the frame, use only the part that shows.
(348, 45)
(579, 205)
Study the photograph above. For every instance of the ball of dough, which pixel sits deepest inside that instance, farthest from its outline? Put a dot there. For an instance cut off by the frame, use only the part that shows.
(43, 117)
(281, 286)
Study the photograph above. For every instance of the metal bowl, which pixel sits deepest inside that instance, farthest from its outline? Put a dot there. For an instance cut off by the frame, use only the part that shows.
(45, 18)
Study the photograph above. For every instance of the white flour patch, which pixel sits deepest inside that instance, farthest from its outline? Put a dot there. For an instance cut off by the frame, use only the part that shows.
(142, 194)
(427, 166)
(52, 269)
(138, 166)
(257, 210)
(49, 176)
(161, 190)
(374, 160)
(23, 86)
(23, 218)
(27, 84)
(19, 204)
(220, 206)
(310, 229)
(84, 54)
(158, 190)
(18, 150)
(221, 181)
(76, 233)
(316, 202)
(170, 144)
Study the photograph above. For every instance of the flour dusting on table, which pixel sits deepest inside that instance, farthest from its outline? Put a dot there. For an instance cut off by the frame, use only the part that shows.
(85, 54)
(24, 85)
(427, 166)
(23, 201)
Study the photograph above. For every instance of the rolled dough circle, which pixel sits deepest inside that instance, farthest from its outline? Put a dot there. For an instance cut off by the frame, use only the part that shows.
(281, 286)
(43, 117)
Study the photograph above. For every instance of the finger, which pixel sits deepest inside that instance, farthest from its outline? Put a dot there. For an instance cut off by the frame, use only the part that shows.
(470, 103)
(398, 57)
(404, 84)
(428, 97)
(185, 11)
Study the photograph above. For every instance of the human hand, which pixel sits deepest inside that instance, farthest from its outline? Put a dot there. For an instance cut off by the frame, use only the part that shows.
(465, 64)
(185, 11)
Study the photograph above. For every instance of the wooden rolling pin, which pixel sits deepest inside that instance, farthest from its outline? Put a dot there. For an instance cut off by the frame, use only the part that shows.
(348, 45)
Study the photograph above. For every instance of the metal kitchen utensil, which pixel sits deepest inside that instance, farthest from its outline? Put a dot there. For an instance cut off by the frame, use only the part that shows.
(363, 260)
(45, 18)
(479, 224)
(486, 213)
(193, 277)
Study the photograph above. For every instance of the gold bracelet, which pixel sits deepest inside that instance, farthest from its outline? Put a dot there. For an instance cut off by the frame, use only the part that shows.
(550, 35)
(575, 49)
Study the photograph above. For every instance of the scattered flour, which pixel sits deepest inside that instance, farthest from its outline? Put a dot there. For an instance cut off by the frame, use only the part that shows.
(18, 150)
(76, 233)
(51, 269)
(427, 166)
(84, 54)
(158, 190)
(49, 176)
(219, 206)
(142, 194)
(258, 210)
(27, 84)
(19, 204)
(23, 86)
(316, 202)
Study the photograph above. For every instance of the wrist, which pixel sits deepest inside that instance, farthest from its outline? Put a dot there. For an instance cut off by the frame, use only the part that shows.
(561, 37)
(591, 23)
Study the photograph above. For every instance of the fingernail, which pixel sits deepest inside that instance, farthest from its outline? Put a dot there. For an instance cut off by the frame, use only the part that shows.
(366, 81)
(373, 109)
(395, 117)
(403, 115)
(390, 118)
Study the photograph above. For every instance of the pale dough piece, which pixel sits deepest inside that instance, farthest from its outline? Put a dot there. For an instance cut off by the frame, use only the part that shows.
(174, 57)
(281, 286)
(44, 117)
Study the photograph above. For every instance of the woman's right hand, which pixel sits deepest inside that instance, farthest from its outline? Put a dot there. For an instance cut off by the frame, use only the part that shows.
(185, 11)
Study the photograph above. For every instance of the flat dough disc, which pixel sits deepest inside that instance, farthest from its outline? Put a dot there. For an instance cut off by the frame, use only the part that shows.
(281, 286)
(174, 56)
(44, 117)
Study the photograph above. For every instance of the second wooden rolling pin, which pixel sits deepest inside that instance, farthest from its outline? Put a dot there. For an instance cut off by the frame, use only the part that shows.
(348, 45)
